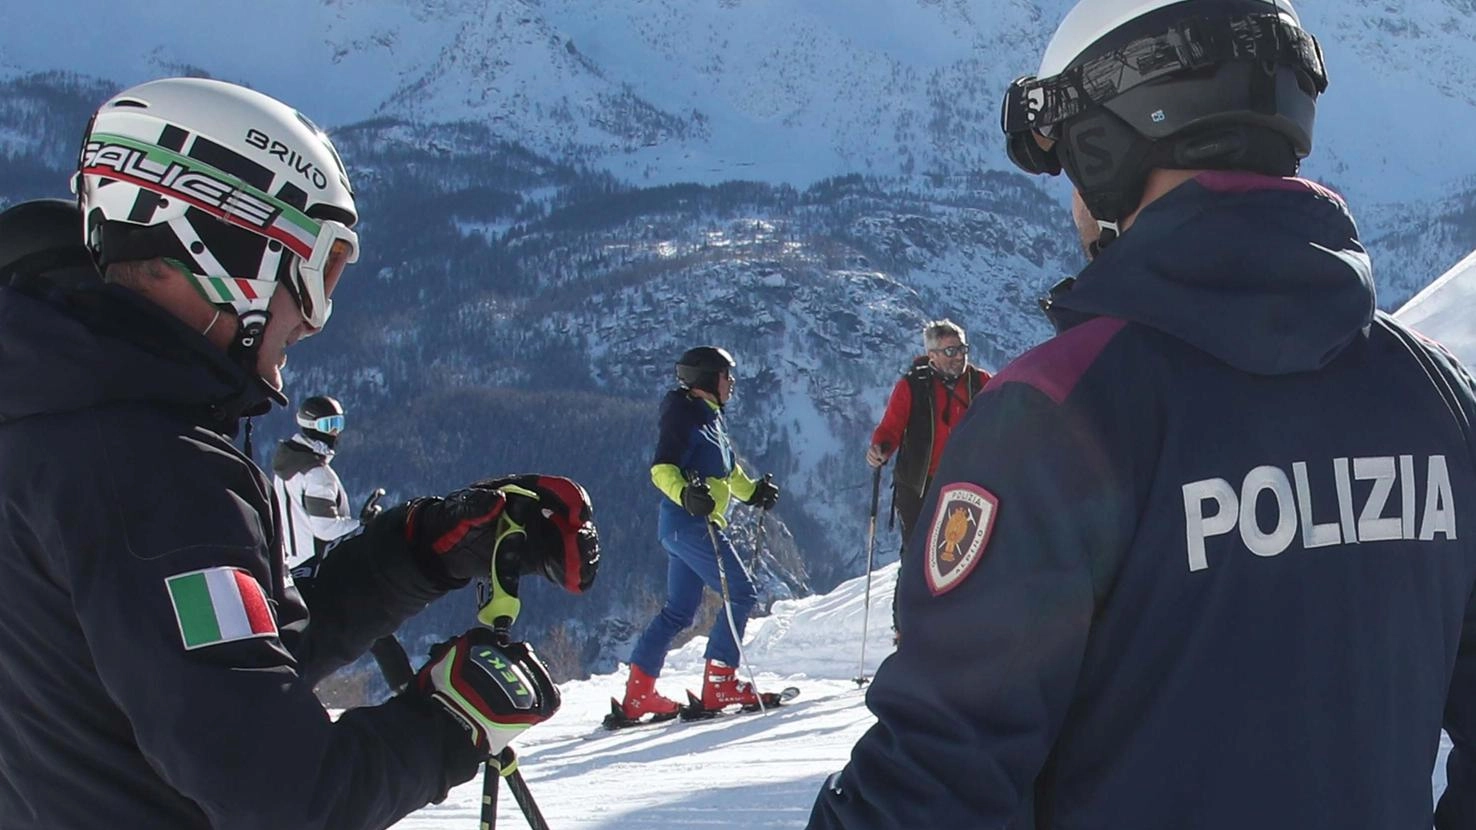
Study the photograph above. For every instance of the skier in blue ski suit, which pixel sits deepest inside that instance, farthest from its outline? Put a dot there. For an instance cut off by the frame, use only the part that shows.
(695, 469)
(1205, 559)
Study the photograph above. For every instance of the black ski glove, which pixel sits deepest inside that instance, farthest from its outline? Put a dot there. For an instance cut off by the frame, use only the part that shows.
(765, 494)
(697, 498)
(495, 691)
(535, 524)
(558, 537)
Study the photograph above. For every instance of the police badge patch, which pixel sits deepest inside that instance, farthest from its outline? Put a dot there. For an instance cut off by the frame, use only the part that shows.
(962, 522)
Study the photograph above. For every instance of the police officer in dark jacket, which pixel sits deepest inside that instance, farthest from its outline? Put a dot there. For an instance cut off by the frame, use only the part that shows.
(1205, 559)
(159, 662)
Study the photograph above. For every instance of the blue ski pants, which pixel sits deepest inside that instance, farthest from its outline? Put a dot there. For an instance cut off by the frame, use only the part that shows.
(691, 564)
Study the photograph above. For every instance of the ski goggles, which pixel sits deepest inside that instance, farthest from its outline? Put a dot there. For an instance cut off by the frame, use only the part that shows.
(328, 424)
(1036, 106)
(313, 277)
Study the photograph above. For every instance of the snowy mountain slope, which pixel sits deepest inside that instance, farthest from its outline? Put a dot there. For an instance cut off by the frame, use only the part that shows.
(743, 772)
(1374, 143)
(707, 90)
(1413, 241)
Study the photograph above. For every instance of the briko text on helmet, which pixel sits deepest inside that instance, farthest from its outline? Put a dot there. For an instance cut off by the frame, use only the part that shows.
(290, 157)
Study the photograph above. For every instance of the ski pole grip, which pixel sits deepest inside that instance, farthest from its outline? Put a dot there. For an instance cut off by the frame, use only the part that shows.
(371, 505)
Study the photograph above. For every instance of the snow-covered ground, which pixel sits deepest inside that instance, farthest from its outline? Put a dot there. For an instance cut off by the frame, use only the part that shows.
(745, 771)
(1443, 310)
(742, 771)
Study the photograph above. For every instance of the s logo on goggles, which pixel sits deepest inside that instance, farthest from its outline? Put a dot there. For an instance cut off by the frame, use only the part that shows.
(1022, 120)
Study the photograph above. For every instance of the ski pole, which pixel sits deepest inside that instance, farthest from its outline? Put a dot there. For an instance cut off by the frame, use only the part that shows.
(498, 607)
(728, 608)
(394, 663)
(508, 764)
(505, 766)
(492, 772)
(489, 793)
(758, 536)
(861, 678)
(695, 478)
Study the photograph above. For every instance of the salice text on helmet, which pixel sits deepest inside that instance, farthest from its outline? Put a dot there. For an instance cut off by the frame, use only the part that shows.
(116, 157)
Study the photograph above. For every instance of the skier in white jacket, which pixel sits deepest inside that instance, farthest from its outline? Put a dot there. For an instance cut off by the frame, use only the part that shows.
(315, 508)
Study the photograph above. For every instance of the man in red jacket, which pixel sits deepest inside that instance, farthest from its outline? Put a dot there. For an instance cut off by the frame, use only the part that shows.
(925, 405)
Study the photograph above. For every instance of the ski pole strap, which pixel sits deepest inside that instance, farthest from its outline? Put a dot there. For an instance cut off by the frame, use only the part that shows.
(498, 603)
(507, 762)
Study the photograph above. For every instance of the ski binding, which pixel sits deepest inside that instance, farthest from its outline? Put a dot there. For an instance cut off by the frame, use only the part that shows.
(617, 719)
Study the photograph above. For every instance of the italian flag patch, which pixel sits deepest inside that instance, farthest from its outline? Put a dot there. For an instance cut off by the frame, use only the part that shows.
(219, 605)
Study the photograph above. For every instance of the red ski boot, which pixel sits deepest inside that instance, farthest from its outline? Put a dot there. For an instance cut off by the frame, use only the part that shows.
(721, 688)
(641, 698)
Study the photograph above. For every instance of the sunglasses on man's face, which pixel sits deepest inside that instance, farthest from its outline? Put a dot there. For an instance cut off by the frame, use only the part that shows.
(951, 351)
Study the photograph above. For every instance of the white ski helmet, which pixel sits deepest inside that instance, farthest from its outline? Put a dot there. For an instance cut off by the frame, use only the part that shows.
(1130, 85)
(239, 189)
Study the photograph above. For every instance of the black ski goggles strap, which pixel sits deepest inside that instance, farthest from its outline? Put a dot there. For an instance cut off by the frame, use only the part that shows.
(1038, 104)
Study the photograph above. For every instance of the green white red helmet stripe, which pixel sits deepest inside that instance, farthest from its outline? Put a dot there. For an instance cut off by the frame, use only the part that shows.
(230, 290)
(202, 185)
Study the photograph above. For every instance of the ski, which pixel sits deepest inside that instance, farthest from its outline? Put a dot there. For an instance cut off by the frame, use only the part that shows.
(695, 711)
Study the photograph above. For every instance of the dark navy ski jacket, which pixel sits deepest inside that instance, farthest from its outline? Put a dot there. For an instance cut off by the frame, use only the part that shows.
(1203, 560)
(693, 438)
(117, 471)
